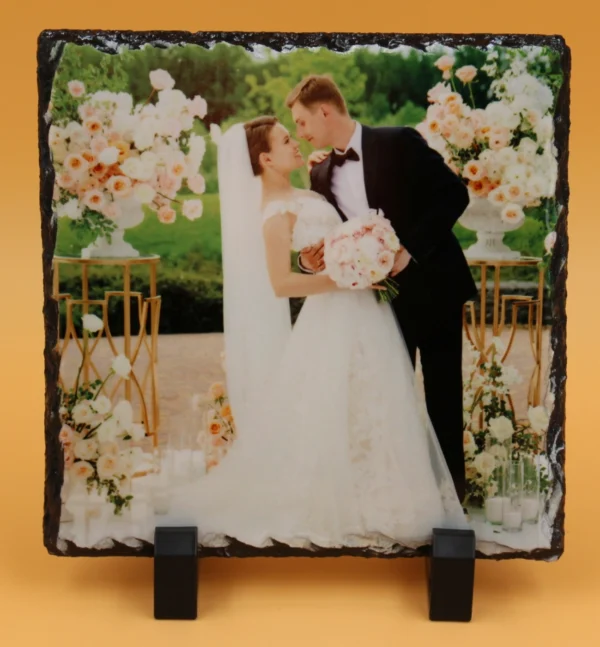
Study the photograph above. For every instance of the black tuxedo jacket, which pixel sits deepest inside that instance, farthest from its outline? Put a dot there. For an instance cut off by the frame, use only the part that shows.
(422, 198)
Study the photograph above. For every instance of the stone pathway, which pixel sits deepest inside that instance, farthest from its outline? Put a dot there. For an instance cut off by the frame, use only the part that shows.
(189, 364)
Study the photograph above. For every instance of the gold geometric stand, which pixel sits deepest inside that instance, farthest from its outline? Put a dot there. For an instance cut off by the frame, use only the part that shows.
(476, 330)
(144, 386)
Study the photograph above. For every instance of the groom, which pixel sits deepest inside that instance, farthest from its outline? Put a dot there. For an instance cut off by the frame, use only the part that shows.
(394, 169)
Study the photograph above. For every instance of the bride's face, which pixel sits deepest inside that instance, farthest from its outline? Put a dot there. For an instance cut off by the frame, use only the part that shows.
(284, 156)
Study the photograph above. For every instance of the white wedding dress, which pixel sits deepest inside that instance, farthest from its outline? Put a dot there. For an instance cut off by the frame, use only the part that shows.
(337, 449)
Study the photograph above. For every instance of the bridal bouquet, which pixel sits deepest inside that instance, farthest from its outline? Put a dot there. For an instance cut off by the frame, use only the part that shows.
(119, 157)
(360, 253)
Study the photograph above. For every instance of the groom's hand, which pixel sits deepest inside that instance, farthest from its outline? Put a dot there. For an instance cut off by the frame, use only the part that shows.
(312, 258)
(401, 260)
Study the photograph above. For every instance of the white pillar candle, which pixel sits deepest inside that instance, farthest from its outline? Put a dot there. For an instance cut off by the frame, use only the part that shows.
(494, 507)
(530, 509)
(512, 519)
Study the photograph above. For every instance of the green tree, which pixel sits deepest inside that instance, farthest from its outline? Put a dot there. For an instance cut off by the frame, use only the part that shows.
(96, 70)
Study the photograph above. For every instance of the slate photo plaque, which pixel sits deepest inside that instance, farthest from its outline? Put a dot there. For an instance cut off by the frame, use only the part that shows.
(304, 291)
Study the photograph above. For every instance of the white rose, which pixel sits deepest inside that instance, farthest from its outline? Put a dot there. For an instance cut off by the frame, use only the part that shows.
(123, 414)
(132, 167)
(144, 134)
(511, 376)
(71, 209)
(92, 323)
(192, 209)
(82, 413)
(144, 193)
(81, 470)
(101, 405)
(501, 428)
(538, 417)
(161, 80)
(121, 366)
(137, 432)
(109, 155)
(86, 449)
(485, 463)
(108, 465)
(108, 431)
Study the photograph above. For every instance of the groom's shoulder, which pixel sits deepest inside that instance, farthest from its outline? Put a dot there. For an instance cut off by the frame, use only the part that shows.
(397, 133)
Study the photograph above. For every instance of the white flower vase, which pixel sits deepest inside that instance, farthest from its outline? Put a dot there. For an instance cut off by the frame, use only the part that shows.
(484, 218)
(132, 214)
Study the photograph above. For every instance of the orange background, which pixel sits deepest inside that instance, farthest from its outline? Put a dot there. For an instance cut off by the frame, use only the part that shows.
(61, 601)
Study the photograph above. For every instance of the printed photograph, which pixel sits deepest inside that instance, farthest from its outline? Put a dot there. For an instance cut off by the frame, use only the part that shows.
(304, 298)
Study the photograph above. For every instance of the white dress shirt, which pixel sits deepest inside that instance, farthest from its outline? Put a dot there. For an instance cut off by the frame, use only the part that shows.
(348, 180)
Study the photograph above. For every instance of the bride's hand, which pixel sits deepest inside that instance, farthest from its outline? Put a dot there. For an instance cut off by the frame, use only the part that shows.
(316, 157)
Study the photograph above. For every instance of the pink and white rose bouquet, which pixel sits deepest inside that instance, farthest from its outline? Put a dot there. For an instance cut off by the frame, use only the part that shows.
(361, 252)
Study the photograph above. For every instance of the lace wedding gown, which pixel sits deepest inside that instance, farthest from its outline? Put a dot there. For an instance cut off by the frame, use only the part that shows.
(340, 451)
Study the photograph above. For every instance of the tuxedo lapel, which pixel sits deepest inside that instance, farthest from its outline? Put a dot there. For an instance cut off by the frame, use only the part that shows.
(370, 162)
(326, 171)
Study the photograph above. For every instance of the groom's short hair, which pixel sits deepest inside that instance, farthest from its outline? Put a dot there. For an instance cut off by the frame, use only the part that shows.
(317, 88)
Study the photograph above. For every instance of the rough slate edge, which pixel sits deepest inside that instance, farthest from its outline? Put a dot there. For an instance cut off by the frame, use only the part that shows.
(50, 44)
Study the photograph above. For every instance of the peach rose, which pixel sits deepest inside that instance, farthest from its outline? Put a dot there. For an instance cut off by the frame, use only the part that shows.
(66, 180)
(94, 199)
(217, 391)
(512, 213)
(166, 215)
(76, 88)
(119, 185)
(76, 164)
(499, 138)
(466, 73)
(214, 427)
(474, 170)
(445, 63)
(93, 125)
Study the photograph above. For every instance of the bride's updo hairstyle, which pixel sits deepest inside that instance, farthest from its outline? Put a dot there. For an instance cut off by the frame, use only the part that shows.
(258, 135)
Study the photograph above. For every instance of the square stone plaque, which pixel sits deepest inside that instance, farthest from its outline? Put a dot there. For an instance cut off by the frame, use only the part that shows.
(216, 208)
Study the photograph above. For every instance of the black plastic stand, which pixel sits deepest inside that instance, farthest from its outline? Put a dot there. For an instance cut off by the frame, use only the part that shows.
(175, 573)
(451, 575)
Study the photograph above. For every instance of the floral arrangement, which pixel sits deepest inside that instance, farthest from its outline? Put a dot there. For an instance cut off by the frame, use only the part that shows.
(491, 432)
(120, 158)
(95, 436)
(360, 252)
(219, 425)
(505, 151)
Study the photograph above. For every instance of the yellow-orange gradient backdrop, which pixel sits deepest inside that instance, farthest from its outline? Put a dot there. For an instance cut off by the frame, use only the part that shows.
(60, 601)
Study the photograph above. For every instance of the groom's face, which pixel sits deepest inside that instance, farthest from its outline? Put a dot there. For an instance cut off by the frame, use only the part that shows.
(312, 124)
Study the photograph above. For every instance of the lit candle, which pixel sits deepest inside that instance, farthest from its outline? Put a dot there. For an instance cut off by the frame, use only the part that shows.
(512, 519)
(530, 509)
(494, 507)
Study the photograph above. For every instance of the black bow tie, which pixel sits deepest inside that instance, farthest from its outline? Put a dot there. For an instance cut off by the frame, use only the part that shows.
(341, 158)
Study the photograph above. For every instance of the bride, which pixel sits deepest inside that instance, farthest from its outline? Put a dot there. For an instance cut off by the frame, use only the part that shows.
(333, 448)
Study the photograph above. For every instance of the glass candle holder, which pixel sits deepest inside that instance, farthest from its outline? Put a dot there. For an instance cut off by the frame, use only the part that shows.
(531, 501)
(512, 516)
